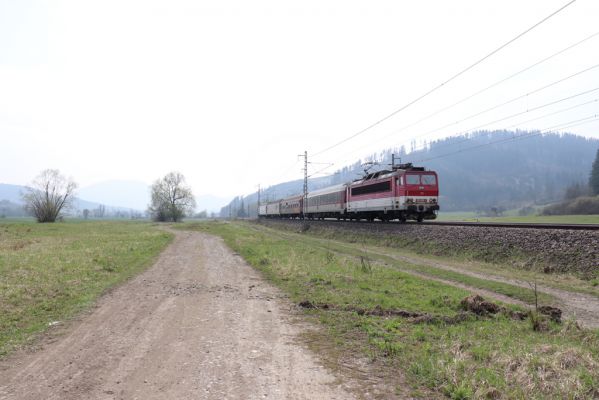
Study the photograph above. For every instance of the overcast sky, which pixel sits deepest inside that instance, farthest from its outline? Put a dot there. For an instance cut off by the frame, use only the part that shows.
(230, 92)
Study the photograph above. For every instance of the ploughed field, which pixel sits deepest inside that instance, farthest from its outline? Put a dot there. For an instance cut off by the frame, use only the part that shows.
(396, 308)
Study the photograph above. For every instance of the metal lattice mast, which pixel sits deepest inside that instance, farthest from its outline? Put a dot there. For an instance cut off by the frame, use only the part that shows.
(305, 203)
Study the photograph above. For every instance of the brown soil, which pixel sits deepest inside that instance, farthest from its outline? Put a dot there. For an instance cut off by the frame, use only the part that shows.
(199, 324)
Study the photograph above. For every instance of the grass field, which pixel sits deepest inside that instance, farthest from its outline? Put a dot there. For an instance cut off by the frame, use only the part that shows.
(530, 219)
(477, 357)
(49, 272)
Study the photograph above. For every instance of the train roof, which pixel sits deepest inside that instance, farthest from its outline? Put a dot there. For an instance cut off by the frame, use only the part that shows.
(385, 173)
(292, 198)
(327, 190)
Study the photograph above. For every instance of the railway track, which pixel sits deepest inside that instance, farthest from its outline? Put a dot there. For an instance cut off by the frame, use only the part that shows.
(576, 227)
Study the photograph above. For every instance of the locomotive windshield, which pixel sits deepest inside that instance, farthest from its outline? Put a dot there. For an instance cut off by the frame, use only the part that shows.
(413, 179)
(429, 179)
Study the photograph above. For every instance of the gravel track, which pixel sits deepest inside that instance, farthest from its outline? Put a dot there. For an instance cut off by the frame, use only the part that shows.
(199, 324)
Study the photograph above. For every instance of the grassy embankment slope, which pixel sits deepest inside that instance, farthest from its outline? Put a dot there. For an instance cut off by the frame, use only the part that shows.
(477, 357)
(49, 272)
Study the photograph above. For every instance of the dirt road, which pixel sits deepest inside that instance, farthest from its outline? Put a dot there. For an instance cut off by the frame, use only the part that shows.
(198, 324)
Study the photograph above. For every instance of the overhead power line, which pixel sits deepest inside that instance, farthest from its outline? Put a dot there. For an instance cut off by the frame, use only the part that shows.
(507, 117)
(565, 125)
(467, 139)
(520, 97)
(523, 113)
(497, 83)
(446, 81)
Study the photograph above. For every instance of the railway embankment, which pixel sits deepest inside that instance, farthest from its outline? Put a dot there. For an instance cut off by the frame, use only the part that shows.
(543, 250)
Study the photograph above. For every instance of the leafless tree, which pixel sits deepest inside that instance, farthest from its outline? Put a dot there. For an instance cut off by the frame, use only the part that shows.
(100, 211)
(171, 198)
(50, 193)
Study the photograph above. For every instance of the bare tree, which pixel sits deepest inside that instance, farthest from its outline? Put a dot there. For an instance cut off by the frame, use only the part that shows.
(100, 211)
(49, 194)
(171, 198)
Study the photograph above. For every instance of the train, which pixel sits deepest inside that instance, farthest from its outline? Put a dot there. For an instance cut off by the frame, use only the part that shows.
(403, 193)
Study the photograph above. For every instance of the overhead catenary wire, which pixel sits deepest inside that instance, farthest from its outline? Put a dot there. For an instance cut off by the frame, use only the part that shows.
(509, 102)
(564, 125)
(523, 113)
(513, 116)
(453, 77)
(486, 88)
(497, 83)
(520, 97)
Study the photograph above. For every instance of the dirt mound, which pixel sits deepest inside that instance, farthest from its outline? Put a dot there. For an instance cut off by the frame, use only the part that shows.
(554, 313)
(479, 306)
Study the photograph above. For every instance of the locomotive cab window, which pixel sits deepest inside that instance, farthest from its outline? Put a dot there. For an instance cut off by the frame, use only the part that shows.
(428, 179)
(412, 179)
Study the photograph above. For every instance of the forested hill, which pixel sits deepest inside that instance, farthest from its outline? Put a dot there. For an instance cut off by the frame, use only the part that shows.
(479, 171)
(509, 173)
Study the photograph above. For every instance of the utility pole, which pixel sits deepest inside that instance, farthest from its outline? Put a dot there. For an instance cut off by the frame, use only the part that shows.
(258, 206)
(305, 204)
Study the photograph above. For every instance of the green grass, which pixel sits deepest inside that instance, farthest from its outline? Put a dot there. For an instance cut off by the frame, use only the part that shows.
(371, 252)
(530, 219)
(480, 357)
(49, 272)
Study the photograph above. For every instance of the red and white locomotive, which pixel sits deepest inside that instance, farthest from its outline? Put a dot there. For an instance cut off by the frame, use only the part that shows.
(404, 193)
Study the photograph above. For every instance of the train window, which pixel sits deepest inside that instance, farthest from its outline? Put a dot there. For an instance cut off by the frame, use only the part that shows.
(429, 180)
(413, 179)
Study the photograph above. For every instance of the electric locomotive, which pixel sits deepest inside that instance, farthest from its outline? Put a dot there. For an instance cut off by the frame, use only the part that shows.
(403, 193)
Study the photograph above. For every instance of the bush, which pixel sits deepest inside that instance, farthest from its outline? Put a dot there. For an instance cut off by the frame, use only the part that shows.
(582, 206)
(526, 211)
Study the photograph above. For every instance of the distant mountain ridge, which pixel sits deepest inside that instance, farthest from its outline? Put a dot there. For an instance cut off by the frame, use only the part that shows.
(122, 193)
(11, 193)
(477, 171)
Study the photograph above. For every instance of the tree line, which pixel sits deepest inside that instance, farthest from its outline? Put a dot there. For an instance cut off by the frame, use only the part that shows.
(51, 194)
(580, 198)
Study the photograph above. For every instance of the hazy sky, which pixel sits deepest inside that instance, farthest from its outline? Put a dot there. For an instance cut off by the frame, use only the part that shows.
(230, 92)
